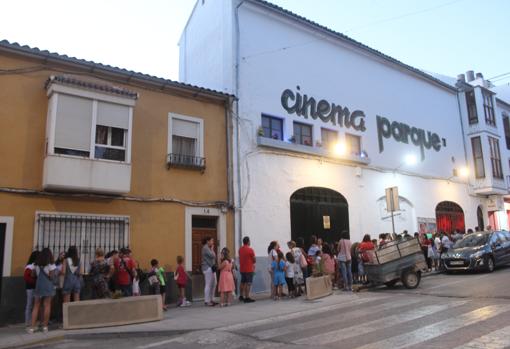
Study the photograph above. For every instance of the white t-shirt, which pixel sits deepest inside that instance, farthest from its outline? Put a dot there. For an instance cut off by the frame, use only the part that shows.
(291, 267)
(437, 242)
(446, 242)
(47, 269)
(72, 268)
(273, 255)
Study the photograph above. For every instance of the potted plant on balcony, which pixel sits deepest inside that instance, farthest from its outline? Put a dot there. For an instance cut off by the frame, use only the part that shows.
(292, 139)
(260, 131)
(318, 144)
(307, 142)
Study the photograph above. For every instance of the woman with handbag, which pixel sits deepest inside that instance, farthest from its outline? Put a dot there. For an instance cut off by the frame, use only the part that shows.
(345, 259)
(209, 268)
(71, 273)
(44, 288)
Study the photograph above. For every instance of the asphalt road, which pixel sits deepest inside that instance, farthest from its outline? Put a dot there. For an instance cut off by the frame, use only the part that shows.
(446, 311)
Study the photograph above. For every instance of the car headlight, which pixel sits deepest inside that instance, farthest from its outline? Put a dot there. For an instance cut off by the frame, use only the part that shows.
(477, 254)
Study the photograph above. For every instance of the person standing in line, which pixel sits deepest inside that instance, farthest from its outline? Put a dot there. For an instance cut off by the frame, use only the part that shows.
(279, 268)
(300, 244)
(226, 285)
(44, 288)
(345, 260)
(328, 262)
(71, 271)
(181, 279)
(366, 252)
(290, 274)
(299, 265)
(99, 271)
(209, 268)
(125, 272)
(247, 262)
(30, 281)
(272, 255)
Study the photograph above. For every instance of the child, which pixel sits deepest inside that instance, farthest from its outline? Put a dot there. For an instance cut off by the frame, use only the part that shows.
(181, 279)
(226, 285)
(290, 274)
(136, 283)
(279, 268)
(158, 273)
(318, 266)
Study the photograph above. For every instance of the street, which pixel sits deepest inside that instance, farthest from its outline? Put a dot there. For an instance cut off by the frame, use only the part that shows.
(446, 311)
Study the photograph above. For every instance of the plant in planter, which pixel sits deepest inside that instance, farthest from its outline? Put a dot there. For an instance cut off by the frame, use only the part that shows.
(307, 142)
(260, 131)
(318, 144)
(292, 139)
(276, 136)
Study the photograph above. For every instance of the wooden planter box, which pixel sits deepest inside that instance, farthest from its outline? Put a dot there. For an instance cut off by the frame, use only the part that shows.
(112, 312)
(318, 287)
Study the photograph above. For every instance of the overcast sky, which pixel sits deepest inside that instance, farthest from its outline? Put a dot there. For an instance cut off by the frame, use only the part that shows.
(443, 36)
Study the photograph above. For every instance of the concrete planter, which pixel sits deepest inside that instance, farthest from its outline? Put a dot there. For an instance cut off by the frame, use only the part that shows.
(112, 312)
(318, 287)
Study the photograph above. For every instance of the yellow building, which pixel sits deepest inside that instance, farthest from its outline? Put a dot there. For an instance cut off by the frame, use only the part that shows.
(97, 156)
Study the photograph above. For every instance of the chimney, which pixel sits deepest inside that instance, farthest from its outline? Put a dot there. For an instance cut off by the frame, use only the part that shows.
(461, 78)
(479, 76)
(470, 75)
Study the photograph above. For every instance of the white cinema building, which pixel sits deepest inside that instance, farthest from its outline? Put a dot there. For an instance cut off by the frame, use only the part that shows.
(324, 124)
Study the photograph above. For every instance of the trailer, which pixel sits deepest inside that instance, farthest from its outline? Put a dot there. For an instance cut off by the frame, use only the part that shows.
(397, 261)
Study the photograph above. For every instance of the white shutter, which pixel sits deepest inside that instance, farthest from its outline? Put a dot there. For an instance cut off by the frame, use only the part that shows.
(185, 128)
(73, 123)
(113, 115)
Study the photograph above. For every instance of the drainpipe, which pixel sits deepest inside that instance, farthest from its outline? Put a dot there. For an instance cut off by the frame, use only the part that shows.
(239, 207)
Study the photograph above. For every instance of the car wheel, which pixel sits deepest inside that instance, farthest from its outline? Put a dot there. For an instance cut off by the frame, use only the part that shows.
(391, 284)
(411, 279)
(489, 264)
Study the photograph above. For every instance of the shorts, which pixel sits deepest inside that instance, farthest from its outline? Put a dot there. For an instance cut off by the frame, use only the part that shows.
(162, 289)
(181, 285)
(247, 278)
(72, 284)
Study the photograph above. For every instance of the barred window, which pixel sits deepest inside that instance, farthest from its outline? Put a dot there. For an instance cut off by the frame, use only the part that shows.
(87, 232)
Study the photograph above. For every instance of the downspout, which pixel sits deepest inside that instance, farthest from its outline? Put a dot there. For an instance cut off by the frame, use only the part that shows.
(239, 207)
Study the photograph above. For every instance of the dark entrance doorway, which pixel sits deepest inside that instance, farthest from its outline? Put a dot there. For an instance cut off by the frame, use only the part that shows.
(312, 207)
(449, 217)
(3, 230)
(479, 216)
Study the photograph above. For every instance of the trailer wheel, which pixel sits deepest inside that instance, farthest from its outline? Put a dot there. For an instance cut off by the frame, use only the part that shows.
(391, 284)
(411, 279)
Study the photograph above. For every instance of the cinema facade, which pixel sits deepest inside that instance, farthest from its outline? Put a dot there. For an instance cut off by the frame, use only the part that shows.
(325, 124)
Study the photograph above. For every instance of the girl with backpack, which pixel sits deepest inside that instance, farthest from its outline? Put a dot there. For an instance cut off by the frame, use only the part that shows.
(44, 288)
(72, 275)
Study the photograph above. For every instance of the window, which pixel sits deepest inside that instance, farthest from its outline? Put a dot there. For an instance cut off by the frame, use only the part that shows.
(186, 146)
(506, 126)
(476, 144)
(303, 134)
(86, 232)
(110, 143)
(488, 109)
(471, 106)
(74, 125)
(353, 144)
(273, 127)
(329, 138)
(497, 171)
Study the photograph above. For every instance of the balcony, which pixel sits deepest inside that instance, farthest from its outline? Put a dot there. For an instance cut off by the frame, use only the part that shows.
(305, 149)
(490, 186)
(186, 161)
(69, 173)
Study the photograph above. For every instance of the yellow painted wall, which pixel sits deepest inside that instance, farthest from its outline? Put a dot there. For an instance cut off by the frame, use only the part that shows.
(157, 229)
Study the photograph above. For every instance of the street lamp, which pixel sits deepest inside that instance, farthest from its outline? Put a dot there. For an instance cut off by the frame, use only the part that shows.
(340, 149)
(409, 160)
(462, 172)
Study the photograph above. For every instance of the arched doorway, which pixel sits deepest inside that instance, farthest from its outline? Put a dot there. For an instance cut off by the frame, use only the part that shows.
(479, 217)
(449, 217)
(310, 210)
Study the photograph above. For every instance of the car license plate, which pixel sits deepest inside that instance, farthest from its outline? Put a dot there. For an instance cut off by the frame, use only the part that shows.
(457, 263)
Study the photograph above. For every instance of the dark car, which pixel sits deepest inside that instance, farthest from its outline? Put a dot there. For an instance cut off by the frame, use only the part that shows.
(478, 251)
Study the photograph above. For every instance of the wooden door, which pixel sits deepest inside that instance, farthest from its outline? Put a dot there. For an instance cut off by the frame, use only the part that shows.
(198, 234)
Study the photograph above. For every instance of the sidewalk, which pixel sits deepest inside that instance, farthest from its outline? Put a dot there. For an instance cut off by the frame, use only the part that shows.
(181, 320)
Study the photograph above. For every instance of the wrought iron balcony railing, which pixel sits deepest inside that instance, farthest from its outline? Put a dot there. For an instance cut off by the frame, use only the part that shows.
(186, 161)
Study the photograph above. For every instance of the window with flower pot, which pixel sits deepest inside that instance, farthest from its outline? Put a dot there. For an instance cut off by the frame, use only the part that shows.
(303, 134)
(272, 127)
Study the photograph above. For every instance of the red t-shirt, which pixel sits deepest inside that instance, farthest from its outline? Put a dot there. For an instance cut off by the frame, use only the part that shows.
(123, 270)
(182, 278)
(246, 257)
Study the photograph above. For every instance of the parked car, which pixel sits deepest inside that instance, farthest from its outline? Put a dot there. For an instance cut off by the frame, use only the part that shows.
(478, 251)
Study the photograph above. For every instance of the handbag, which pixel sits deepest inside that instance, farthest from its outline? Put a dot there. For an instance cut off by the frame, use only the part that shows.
(302, 261)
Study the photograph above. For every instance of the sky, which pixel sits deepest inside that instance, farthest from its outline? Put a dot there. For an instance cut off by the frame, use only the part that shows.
(443, 36)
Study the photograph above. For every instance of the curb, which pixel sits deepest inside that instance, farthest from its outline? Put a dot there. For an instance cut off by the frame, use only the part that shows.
(37, 342)
(131, 334)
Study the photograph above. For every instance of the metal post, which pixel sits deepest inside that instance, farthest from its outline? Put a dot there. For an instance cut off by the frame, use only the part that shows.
(392, 208)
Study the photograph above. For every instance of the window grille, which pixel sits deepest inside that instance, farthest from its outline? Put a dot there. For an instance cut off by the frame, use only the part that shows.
(60, 231)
